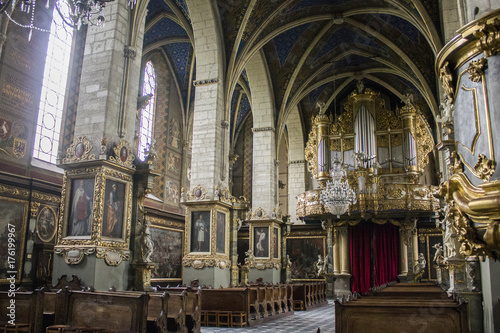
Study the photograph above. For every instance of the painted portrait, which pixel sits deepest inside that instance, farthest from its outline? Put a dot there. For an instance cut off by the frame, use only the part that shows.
(175, 134)
(12, 226)
(221, 233)
(81, 207)
(303, 254)
(46, 224)
(172, 192)
(261, 242)
(123, 154)
(114, 195)
(276, 245)
(167, 253)
(200, 231)
(79, 149)
(173, 162)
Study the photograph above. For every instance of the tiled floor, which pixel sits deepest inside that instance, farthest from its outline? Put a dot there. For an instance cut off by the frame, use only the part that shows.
(301, 321)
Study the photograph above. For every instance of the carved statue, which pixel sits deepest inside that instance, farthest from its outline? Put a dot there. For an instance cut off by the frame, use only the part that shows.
(438, 256)
(321, 266)
(147, 245)
(288, 262)
(419, 268)
(449, 239)
(360, 86)
(321, 106)
(408, 99)
(447, 111)
(249, 257)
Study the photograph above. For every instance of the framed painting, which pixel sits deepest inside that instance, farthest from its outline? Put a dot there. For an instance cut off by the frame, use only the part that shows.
(167, 253)
(81, 207)
(220, 246)
(261, 242)
(303, 254)
(46, 225)
(276, 243)
(200, 231)
(114, 209)
(12, 231)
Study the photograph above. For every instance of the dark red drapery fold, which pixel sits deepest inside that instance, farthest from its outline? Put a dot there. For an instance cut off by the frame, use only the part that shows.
(386, 253)
(360, 253)
(384, 250)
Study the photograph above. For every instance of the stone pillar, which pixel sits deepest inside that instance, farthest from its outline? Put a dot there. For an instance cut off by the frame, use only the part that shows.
(336, 251)
(99, 162)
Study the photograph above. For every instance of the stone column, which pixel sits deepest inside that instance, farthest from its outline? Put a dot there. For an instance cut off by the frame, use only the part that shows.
(99, 161)
(336, 251)
(403, 254)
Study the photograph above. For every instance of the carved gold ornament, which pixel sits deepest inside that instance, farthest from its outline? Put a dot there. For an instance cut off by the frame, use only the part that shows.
(446, 78)
(259, 214)
(123, 155)
(79, 150)
(489, 37)
(311, 152)
(199, 263)
(112, 257)
(485, 168)
(198, 193)
(476, 69)
(73, 255)
(475, 214)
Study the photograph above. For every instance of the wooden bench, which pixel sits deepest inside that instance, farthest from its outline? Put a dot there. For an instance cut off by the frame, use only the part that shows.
(28, 311)
(228, 306)
(192, 306)
(102, 310)
(401, 308)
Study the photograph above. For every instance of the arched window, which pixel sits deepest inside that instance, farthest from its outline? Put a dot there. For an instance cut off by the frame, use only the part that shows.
(147, 113)
(55, 77)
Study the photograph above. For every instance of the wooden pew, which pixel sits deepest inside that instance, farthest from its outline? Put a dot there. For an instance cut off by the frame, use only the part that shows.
(254, 304)
(289, 297)
(389, 316)
(269, 302)
(176, 318)
(261, 300)
(277, 299)
(28, 309)
(230, 306)
(107, 310)
(299, 297)
(192, 306)
(157, 312)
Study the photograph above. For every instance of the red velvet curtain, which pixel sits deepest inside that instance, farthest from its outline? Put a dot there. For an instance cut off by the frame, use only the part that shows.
(386, 245)
(360, 249)
(373, 248)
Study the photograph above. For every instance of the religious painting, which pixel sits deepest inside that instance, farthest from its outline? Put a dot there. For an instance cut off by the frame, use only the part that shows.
(173, 162)
(200, 231)
(175, 134)
(46, 224)
(276, 243)
(123, 154)
(261, 242)
(81, 207)
(427, 246)
(113, 216)
(171, 192)
(44, 263)
(167, 253)
(221, 233)
(79, 149)
(12, 234)
(243, 246)
(304, 254)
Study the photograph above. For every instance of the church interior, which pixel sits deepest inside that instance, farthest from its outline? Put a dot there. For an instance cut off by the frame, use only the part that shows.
(229, 161)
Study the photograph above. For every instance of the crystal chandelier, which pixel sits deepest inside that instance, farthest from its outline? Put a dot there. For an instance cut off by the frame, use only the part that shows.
(338, 195)
(74, 13)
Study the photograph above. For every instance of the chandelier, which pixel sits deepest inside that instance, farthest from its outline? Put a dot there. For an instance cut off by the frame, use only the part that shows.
(338, 195)
(74, 13)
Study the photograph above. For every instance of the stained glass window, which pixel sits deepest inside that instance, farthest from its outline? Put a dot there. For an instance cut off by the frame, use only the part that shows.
(53, 90)
(147, 113)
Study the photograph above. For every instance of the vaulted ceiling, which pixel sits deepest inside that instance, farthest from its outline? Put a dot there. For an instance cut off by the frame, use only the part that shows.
(316, 50)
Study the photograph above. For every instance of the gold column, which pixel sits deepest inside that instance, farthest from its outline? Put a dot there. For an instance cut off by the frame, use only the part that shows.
(403, 251)
(344, 250)
(408, 113)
